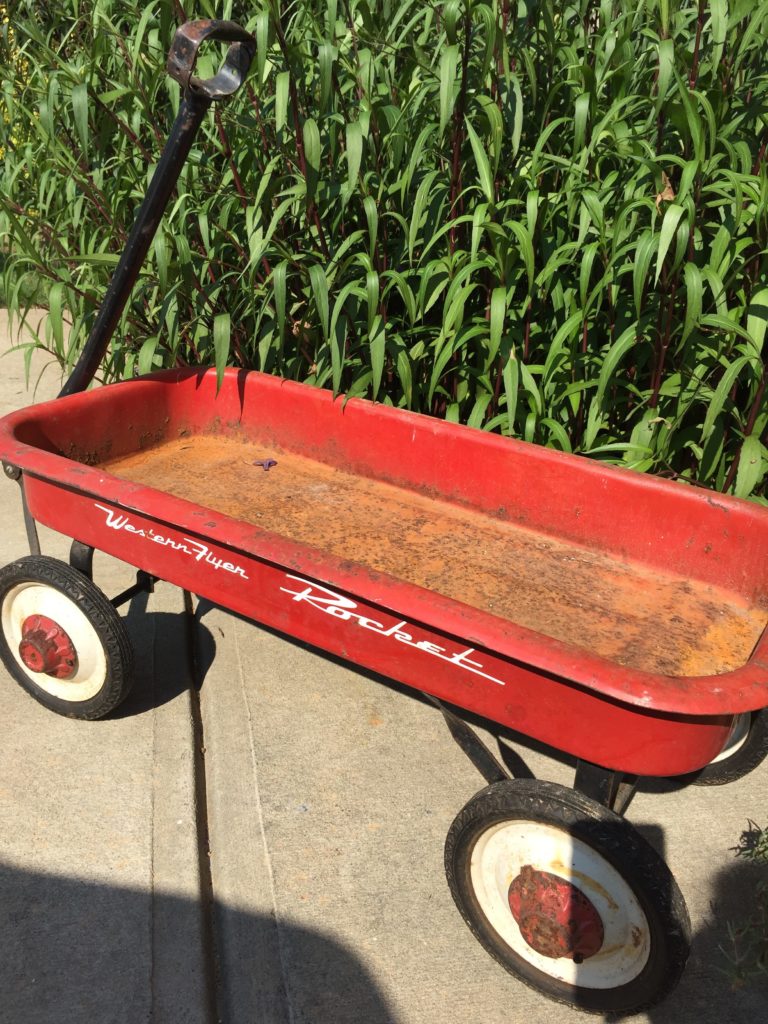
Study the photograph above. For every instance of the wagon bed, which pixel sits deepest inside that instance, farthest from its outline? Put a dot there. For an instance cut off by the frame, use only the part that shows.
(620, 609)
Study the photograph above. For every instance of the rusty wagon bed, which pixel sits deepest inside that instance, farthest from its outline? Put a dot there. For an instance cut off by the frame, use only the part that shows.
(619, 608)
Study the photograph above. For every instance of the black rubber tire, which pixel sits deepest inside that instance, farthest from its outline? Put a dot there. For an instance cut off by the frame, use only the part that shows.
(102, 617)
(618, 843)
(751, 753)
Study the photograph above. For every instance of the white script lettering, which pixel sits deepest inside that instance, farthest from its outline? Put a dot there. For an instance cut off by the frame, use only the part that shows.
(330, 603)
(194, 548)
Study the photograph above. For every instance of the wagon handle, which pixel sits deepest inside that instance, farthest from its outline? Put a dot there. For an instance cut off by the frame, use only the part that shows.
(231, 75)
(198, 94)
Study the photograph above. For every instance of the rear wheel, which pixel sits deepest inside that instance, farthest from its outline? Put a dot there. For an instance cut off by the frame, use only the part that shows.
(745, 749)
(567, 896)
(61, 639)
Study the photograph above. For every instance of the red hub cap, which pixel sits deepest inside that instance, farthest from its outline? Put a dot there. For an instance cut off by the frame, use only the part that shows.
(555, 918)
(45, 647)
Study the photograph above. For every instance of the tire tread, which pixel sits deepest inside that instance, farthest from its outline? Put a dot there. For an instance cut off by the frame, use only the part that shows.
(102, 616)
(621, 845)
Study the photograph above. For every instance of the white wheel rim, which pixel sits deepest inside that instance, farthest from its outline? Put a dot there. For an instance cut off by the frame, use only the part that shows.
(497, 859)
(33, 598)
(737, 737)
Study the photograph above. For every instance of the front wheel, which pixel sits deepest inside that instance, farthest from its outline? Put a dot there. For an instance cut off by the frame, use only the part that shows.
(567, 896)
(61, 639)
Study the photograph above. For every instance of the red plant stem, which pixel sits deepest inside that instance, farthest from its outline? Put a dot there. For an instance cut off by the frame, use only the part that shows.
(224, 140)
(497, 385)
(499, 60)
(342, 98)
(243, 255)
(238, 349)
(353, 36)
(212, 277)
(320, 233)
(124, 128)
(667, 334)
(254, 100)
(578, 429)
(757, 404)
(141, 90)
(294, 101)
(662, 342)
(312, 211)
(660, 118)
(692, 229)
(760, 155)
(527, 335)
(696, 46)
(458, 130)
(88, 185)
(99, 200)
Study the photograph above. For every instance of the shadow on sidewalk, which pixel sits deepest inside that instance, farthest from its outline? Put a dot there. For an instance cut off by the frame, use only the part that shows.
(706, 992)
(162, 644)
(77, 952)
(291, 972)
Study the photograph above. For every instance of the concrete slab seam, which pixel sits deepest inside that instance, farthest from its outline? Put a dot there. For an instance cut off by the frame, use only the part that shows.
(262, 828)
(206, 896)
(153, 922)
(180, 990)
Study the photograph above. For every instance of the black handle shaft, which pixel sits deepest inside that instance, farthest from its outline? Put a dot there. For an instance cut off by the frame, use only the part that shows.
(191, 112)
(197, 98)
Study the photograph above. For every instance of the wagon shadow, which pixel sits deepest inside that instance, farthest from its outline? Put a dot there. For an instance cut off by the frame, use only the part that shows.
(189, 650)
(205, 654)
(163, 645)
(73, 950)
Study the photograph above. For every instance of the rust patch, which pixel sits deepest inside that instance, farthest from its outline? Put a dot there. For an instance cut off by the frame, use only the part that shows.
(92, 457)
(625, 611)
(554, 916)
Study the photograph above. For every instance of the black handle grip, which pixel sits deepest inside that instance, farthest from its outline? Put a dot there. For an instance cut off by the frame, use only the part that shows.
(231, 74)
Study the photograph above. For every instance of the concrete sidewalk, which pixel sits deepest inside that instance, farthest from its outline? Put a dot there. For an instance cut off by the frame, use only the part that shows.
(100, 916)
(294, 872)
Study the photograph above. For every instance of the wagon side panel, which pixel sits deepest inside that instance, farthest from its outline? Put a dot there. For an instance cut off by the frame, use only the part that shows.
(418, 654)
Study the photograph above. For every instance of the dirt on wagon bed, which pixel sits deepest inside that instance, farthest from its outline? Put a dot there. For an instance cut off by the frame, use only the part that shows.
(629, 613)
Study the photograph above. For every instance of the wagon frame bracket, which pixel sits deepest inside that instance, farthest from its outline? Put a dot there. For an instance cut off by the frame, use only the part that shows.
(81, 558)
(612, 789)
(145, 584)
(468, 740)
(30, 525)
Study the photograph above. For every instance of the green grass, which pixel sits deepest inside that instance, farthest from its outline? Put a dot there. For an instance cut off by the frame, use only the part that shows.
(547, 220)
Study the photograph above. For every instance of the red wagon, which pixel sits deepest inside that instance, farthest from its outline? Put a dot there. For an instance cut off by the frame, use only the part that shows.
(618, 618)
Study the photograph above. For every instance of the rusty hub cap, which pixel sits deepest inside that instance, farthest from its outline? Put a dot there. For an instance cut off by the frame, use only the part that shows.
(555, 918)
(45, 647)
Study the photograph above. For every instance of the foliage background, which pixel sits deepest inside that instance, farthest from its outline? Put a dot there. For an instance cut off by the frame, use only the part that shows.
(543, 219)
